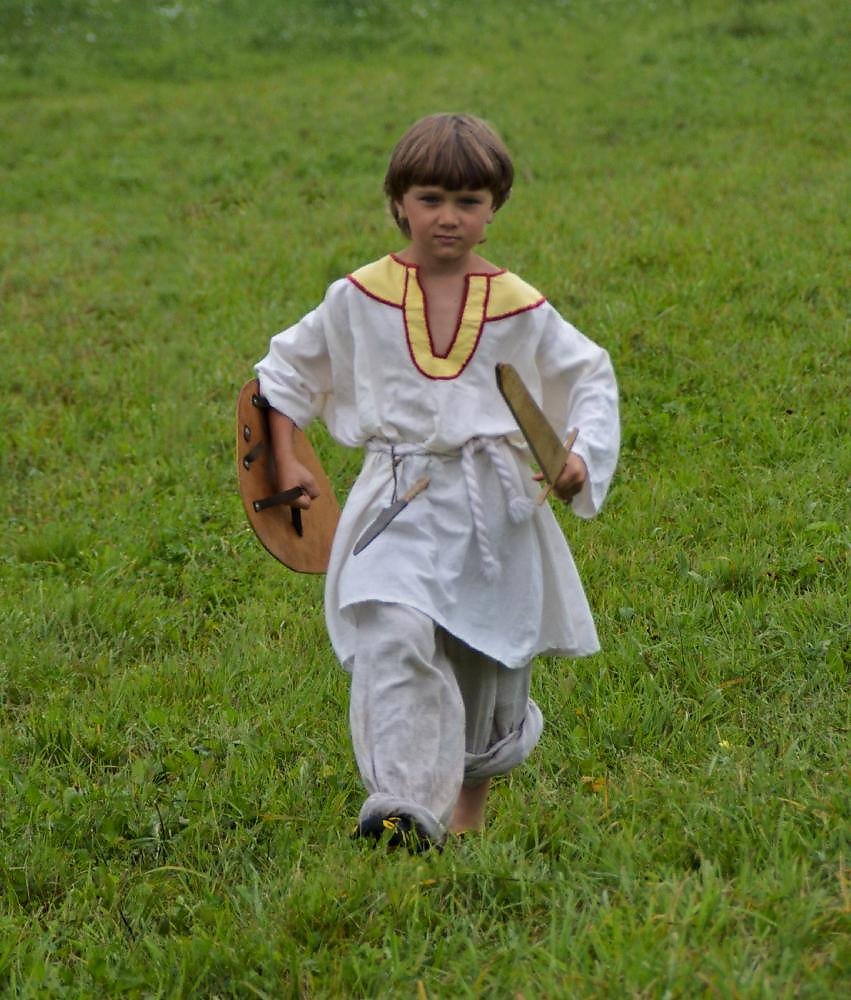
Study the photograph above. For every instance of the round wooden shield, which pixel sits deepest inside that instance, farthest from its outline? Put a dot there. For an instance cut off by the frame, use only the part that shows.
(300, 539)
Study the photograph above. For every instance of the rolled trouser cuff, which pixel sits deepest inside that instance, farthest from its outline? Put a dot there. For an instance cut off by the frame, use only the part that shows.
(504, 755)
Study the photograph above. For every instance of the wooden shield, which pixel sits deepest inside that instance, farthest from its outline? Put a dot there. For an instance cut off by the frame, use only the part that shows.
(300, 539)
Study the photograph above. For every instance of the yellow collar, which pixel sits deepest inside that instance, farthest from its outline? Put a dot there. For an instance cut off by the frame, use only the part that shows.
(487, 298)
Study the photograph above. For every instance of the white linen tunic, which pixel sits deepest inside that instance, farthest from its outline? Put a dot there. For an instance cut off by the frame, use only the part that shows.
(363, 361)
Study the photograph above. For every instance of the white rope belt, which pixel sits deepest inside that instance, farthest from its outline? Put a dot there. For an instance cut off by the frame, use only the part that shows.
(520, 507)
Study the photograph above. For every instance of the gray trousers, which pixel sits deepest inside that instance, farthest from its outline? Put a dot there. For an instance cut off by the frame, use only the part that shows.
(428, 714)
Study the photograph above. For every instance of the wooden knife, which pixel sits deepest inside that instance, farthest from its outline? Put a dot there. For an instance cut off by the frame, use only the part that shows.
(549, 450)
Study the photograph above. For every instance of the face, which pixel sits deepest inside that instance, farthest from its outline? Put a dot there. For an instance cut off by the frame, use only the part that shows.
(445, 225)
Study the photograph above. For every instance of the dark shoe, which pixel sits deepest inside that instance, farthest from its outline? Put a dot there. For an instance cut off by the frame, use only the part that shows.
(408, 833)
(373, 827)
(403, 830)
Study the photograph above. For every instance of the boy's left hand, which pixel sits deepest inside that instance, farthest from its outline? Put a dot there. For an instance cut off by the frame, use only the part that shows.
(571, 480)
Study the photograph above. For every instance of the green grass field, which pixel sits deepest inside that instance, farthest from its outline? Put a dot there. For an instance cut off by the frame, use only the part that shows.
(180, 181)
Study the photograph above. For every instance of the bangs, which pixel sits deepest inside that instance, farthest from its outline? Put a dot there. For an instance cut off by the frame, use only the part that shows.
(454, 165)
(455, 152)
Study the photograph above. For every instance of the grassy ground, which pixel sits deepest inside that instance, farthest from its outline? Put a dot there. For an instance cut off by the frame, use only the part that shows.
(179, 182)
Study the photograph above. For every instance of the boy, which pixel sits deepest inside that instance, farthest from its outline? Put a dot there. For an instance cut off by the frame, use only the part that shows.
(439, 618)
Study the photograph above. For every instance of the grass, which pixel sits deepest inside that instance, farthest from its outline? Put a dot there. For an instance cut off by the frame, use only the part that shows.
(179, 182)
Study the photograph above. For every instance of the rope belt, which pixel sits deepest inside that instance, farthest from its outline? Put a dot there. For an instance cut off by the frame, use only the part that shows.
(520, 507)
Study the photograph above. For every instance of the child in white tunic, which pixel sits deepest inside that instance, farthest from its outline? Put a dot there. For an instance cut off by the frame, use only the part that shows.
(439, 618)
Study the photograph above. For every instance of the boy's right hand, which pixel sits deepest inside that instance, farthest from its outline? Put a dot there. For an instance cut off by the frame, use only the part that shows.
(295, 474)
(290, 472)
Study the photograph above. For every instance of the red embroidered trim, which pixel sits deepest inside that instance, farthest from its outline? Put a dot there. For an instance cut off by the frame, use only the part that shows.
(516, 312)
(372, 295)
(461, 309)
(470, 356)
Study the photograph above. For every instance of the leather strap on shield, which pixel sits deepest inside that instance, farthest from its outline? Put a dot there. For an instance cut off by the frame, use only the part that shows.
(300, 539)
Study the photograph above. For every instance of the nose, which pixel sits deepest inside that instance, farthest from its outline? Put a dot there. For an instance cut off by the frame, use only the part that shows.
(448, 216)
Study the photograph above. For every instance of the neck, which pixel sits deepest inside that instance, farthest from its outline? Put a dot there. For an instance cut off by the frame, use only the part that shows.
(431, 268)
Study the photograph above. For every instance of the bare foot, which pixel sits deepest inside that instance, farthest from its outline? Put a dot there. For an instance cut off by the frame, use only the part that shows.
(469, 811)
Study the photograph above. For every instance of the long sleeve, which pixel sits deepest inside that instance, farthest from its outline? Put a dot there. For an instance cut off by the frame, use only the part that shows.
(295, 376)
(579, 390)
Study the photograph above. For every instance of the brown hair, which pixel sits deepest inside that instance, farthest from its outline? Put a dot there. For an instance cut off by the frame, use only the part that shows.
(452, 151)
